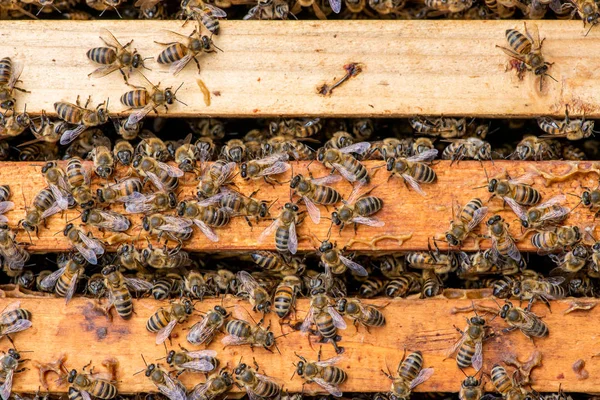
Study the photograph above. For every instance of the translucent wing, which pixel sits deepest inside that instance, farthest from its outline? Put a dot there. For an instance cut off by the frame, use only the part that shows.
(327, 180)
(360, 148)
(293, 239)
(139, 285)
(520, 211)
(456, 345)
(477, 360)
(355, 267)
(175, 224)
(308, 320)
(92, 243)
(478, 216)
(561, 198)
(198, 392)
(412, 182)
(214, 199)
(88, 254)
(72, 134)
(329, 361)
(278, 167)
(247, 283)
(178, 65)
(313, 211)
(110, 39)
(226, 173)
(18, 326)
(53, 209)
(332, 389)
(6, 387)
(172, 390)
(426, 156)
(6, 206)
(348, 175)
(16, 73)
(525, 178)
(372, 221)
(202, 353)
(50, 280)
(104, 70)
(336, 7)
(338, 320)
(252, 12)
(140, 205)
(273, 158)
(269, 230)
(85, 395)
(3, 219)
(555, 213)
(216, 11)
(199, 365)
(251, 394)
(547, 124)
(422, 377)
(156, 181)
(231, 340)
(170, 170)
(200, 332)
(11, 307)
(513, 251)
(165, 332)
(554, 280)
(512, 54)
(72, 288)
(114, 221)
(207, 230)
(138, 115)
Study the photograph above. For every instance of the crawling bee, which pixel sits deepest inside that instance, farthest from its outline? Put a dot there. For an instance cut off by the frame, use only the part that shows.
(576, 259)
(324, 373)
(64, 280)
(471, 389)
(442, 7)
(14, 255)
(44, 205)
(524, 320)
(9, 364)
(81, 116)
(536, 149)
(118, 290)
(332, 259)
(558, 238)
(345, 163)
(123, 191)
(314, 191)
(49, 131)
(204, 331)
(88, 386)
(470, 148)
(144, 100)
(506, 385)
(587, 10)
(433, 260)
(265, 167)
(14, 125)
(256, 385)
(365, 314)
(166, 318)
(151, 203)
(469, 218)
(284, 298)
(214, 179)
(284, 226)
(409, 375)
(192, 361)
(256, 294)
(241, 332)
(79, 180)
(216, 385)
(446, 128)
(470, 345)
(168, 386)
(576, 129)
(276, 263)
(14, 319)
(89, 247)
(9, 77)
(527, 50)
(520, 192)
(295, 128)
(269, 10)
(180, 54)
(549, 213)
(414, 170)
(403, 285)
(163, 258)
(205, 13)
(175, 228)
(503, 243)
(106, 220)
(103, 161)
(114, 57)
(325, 317)
(239, 205)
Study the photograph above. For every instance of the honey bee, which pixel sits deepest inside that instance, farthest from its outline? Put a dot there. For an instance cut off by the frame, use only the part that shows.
(296, 128)
(276, 263)
(206, 14)
(88, 386)
(286, 239)
(151, 203)
(126, 130)
(195, 285)
(123, 191)
(403, 285)
(441, 7)
(164, 320)
(576, 129)
(204, 216)
(433, 260)
(215, 386)
(343, 161)
(104, 5)
(524, 320)
(333, 259)
(168, 386)
(14, 319)
(114, 57)
(325, 317)
(164, 176)
(103, 161)
(83, 117)
(241, 332)
(324, 373)
(175, 228)
(14, 125)
(240, 205)
(219, 174)
(9, 364)
(143, 100)
(469, 218)
(537, 149)
(470, 345)
(193, 361)
(471, 389)
(515, 189)
(14, 255)
(269, 10)
(540, 288)
(9, 77)
(66, 277)
(104, 219)
(409, 375)
(553, 240)
(257, 296)
(470, 148)
(314, 191)
(364, 314)
(265, 167)
(78, 178)
(204, 331)
(89, 247)
(446, 128)
(527, 50)
(44, 205)
(164, 258)
(507, 386)
(186, 154)
(576, 259)
(284, 298)
(256, 385)
(549, 213)
(118, 289)
(587, 10)
(414, 170)
(503, 244)
(49, 131)
(180, 54)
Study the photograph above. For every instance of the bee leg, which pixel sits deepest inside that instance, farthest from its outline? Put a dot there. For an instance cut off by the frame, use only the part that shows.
(87, 103)
(338, 349)
(458, 329)
(197, 63)
(506, 330)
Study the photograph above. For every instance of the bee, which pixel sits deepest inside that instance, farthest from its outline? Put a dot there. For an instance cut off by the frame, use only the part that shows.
(215, 386)
(441, 7)
(83, 117)
(179, 54)
(55, 177)
(314, 191)
(371, 287)
(164, 320)
(296, 128)
(470, 148)
(521, 193)
(14, 125)
(469, 218)
(358, 209)
(343, 161)
(95, 286)
(587, 10)
(470, 345)
(123, 191)
(166, 285)
(275, 263)
(204, 216)
(186, 154)
(403, 285)
(14, 319)
(129, 257)
(537, 149)
(446, 128)
(573, 153)
(219, 174)
(78, 178)
(527, 50)
(432, 284)
(387, 148)
(234, 150)
(45, 204)
(241, 332)
(9, 77)
(103, 5)
(547, 214)
(87, 246)
(433, 260)
(9, 364)
(269, 10)
(103, 161)
(165, 259)
(333, 259)
(206, 14)
(192, 361)
(570, 129)
(204, 331)
(284, 298)
(49, 131)
(325, 317)
(471, 389)
(524, 320)
(90, 386)
(256, 294)
(118, 289)
(223, 281)
(114, 57)
(324, 373)
(392, 266)
(195, 285)
(507, 386)
(240, 205)
(265, 167)
(153, 147)
(409, 375)
(365, 314)
(109, 220)
(66, 277)
(168, 386)
(151, 203)
(15, 256)
(503, 244)
(539, 288)
(126, 130)
(175, 228)
(143, 100)
(25, 280)
(284, 226)
(485, 263)
(255, 384)
(553, 240)
(576, 259)
(414, 170)
(591, 199)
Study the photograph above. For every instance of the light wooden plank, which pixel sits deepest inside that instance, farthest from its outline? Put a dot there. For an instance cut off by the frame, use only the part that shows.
(409, 67)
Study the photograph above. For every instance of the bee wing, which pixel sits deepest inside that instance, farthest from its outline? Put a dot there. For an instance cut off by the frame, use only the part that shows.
(231, 340)
(412, 182)
(104, 70)
(273, 158)
(338, 320)
(336, 7)
(138, 115)
(50, 280)
(478, 216)
(277, 168)
(349, 176)
(175, 224)
(140, 205)
(6, 206)
(252, 395)
(200, 332)
(360, 148)
(326, 180)
(92, 243)
(11, 307)
(60, 196)
(199, 365)
(293, 239)
(426, 156)
(357, 268)
(199, 390)
(213, 199)
(477, 360)
(165, 332)
(207, 230)
(422, 377)
(332, 389)
(156, 182)
(72, 288)
(456, 345)
(216, 11)
(202, 353)
(555, 213)
(139, 285)
(554, 280)
(513, 251)
(251, 13)
(525, 178)
(72, 134)
(269, 230)
(313, 211)
(18, 326)
(226, 173)
(308, 320)
(6, 387)
(88, 254)
(110, 39)
(546, 123)
(329, 361)
(561, 198)
(3, 219)
(247, 283)
(370, 221)
(178, 65)
(513, 54)
(16, 73)
(519, 210)
(172, 389)
(170, 170)
(114, 221)
(135, 196)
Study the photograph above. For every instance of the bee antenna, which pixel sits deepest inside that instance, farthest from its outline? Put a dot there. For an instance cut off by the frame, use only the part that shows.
(279, 351)
(145, 363)
(551, 77)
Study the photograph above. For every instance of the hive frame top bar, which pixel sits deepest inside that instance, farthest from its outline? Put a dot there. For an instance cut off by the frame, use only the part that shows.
(408, 68)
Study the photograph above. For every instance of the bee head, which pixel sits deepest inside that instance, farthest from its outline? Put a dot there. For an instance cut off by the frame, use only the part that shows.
(146, 223)
(341, 305)
(390, 163)
(172, 200)
(335, 218)
(492, 185)
(68, 229)
(85, 216)
(109, 269)
(270, 341)
(100, 195)
(325, 246)
(221, 310)
(295, 181)
(240, 369)
(72, 376)
(136, 61)
(451, 239)
(244, 170)
(181, 208)
(300, 368)
(477, 320)
(14, 354)
(206, 42)
(169, 96)
(264, 307)
(150, 369)
(170, 356)
(263, 209)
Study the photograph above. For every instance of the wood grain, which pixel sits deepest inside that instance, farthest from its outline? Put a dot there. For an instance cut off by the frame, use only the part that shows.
(406, 213)
(274, 69)
(426, 325)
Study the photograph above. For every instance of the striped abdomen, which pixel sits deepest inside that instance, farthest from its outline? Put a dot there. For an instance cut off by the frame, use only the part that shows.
(368, 206)
(76, 174)
(4, 193)
(5, 70)
(374, 317)
(283, 300)
(209, 21)
(526, 195)
(216, 217)
(518, 42)
(69, 112)
(422, 173)
(172, 53)
(500, 379)
(355, 167)
(403, 285)
(162, 288)
(268, 260)
(103, 390)
(325, 195)
(466, 214)
(13, 316)
(282, 237)
(74, 394)
(545, 240)
(102, 55)
(266, 389)
(122, 302)
(158, 320)
(63, 283)
(411, 366)
(325, 326)
(371, 287)
(537, 328)
(233, 201)
(239, 328)
(464, 357)
(137, 98)
(333, 375)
